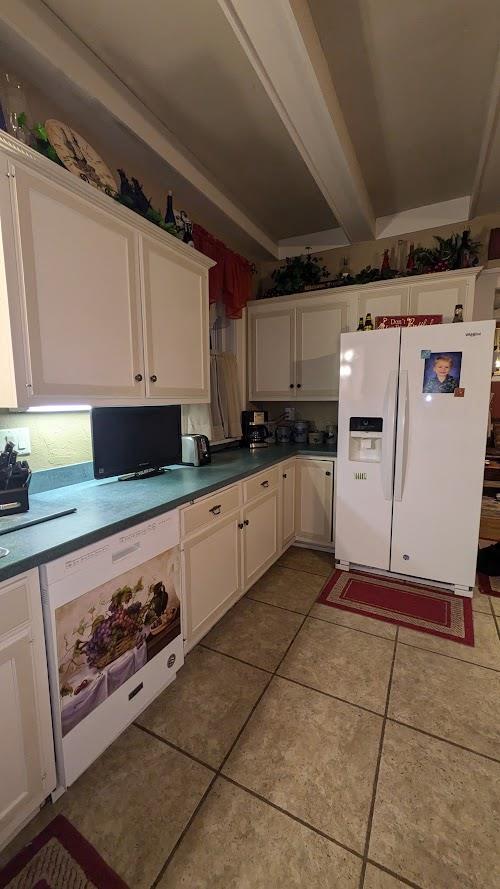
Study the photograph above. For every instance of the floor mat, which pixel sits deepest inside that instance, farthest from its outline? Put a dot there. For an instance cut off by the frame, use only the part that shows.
(407, 604)
(59, 857)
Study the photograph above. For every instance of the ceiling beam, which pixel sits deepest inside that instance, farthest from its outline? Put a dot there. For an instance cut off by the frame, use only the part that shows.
(489, 132)
(51, 41)
(283, 46)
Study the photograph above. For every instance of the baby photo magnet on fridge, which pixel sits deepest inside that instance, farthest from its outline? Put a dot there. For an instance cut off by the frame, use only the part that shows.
(442, 372)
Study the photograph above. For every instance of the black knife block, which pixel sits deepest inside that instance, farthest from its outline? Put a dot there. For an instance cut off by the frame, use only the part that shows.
(14, 500)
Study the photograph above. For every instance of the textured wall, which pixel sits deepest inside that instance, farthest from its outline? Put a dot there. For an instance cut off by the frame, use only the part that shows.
(56, 439)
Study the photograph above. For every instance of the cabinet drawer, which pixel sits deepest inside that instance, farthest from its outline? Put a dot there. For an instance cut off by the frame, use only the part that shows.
(209, 510)
(260, 483)
(14, 605)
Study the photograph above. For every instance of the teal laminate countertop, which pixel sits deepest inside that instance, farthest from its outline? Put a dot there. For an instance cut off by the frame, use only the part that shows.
(108, 506)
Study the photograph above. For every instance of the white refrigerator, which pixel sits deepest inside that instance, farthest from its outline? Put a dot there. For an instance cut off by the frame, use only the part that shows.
(413, 413)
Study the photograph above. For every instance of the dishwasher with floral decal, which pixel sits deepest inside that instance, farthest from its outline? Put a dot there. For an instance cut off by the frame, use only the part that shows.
(112, 614)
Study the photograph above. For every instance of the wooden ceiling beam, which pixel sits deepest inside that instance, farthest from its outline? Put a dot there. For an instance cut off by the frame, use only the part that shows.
(282, 44)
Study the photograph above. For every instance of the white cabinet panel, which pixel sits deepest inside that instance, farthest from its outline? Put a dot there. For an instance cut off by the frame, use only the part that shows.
(439, 297)
(318, 349)
(271, 354)
(20, 766)
(80, 270)
(212, 576)
(287, 502)
(261, 536)
(176, 328)
(314, 500)
(27, 765)
(391, 300)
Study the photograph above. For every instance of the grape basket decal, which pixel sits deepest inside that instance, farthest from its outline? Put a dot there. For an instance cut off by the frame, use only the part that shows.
(107, 634)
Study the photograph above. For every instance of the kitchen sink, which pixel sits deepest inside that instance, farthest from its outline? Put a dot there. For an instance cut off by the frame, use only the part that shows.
(3, 551)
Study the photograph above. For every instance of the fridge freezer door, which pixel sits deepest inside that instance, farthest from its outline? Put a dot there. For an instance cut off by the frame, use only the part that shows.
(442, 419)
(364, 473)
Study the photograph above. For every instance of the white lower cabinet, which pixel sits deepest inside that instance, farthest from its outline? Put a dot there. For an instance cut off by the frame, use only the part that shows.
(287, 502)
(314, 500)
(261, 540)
(27, 764)
(226, 546)
(212, 575)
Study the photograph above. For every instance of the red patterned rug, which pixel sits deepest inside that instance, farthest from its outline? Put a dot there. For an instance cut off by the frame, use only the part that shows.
(59, 858)
(490, 586)
(398, 602)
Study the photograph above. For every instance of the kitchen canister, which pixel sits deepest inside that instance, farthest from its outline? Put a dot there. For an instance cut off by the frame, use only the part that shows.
(300, 430)
(283, 434)
(316, 438)
(331, 434)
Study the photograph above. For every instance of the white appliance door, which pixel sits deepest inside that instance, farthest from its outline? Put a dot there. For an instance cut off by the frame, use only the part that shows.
(368, 391)
(444, 391)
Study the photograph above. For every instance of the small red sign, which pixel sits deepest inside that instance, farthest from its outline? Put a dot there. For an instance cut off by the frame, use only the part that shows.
(384, 321)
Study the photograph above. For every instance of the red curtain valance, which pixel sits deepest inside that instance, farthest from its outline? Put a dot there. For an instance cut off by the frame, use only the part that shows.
(230, 281)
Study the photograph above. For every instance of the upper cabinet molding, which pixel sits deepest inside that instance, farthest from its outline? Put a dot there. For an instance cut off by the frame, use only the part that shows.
(16, 151)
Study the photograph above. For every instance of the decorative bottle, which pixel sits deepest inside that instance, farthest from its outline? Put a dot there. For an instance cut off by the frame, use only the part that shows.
(458, 314)
(361, 325)
(368, 321)
(169, 215)
(410, 263)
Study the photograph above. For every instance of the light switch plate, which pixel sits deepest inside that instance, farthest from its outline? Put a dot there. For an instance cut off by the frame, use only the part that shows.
(20, 435)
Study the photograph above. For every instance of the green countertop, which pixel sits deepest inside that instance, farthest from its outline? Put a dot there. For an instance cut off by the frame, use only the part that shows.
(106, 507)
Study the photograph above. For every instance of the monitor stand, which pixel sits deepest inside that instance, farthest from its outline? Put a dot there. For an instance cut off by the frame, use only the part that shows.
(142, 473)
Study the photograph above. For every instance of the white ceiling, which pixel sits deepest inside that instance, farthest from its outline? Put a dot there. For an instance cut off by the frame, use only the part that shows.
(413, 80)
(398, 95)
(183, 61)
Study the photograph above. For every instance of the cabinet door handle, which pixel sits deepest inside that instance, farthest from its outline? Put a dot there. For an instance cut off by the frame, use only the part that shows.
(215, 510)
(153, 378)
(240, 525)
(285, 475)
(327, 472)
(246, 522)
(138, 378)
(264, 484)
(299, 385)
(291, 386)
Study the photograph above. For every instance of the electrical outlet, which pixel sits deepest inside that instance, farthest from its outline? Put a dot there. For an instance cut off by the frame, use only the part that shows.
(20, 435)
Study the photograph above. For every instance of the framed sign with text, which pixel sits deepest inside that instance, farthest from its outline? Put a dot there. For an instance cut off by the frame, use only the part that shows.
(384, 321)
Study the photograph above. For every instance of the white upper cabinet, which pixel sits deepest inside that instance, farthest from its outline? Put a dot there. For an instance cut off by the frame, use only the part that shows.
(439, 296)
(272, 353)
(81, 288)
(318, 329)
(294, 348)
(294, 341)
(176, 334)
(390, 300)
(97, 305)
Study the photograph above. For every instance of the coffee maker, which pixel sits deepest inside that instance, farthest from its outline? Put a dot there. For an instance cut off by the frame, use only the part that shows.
(254, 429)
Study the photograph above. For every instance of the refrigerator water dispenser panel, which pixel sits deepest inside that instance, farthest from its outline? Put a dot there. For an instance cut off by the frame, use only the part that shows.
(365, 439)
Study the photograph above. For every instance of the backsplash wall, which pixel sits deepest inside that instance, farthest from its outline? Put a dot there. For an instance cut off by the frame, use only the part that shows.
(56, 439)
(320, 412)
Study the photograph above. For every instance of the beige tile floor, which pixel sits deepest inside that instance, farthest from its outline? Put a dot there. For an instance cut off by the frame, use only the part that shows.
(304, 747)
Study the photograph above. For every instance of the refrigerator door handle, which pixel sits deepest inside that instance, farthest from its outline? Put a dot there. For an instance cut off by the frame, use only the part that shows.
(402, 436)
(389, 423)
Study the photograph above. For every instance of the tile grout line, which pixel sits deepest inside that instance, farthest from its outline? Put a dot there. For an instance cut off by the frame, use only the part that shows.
(234, 658)
(393, 873)
(183, 833)
(423, 731)
(451, 656)
(171, 744)
(377, 767)
(356, 629)
(218, 772)
(293, 817)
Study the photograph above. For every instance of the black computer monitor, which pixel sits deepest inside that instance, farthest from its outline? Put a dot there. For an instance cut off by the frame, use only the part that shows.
(135, 441)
